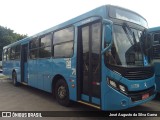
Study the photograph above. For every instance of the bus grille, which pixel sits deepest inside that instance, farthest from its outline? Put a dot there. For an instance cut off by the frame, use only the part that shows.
(138, 75)
(134, 73)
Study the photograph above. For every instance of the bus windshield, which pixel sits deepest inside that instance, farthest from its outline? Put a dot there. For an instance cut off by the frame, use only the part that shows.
(125, 51)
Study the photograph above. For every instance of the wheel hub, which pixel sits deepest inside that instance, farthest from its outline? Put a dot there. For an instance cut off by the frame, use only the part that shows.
(62, 92)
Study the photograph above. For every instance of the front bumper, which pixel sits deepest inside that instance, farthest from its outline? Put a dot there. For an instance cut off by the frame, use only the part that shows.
(115, 100)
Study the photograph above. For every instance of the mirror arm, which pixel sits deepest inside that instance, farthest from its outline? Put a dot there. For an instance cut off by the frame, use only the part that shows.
(105, 21)
(107, 48)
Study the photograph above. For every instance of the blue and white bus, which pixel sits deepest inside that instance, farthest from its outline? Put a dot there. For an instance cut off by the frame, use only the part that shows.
(95, 59)
(153, 38)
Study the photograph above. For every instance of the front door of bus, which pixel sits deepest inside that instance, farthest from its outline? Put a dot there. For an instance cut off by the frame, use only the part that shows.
(89, 44)
(24, 64)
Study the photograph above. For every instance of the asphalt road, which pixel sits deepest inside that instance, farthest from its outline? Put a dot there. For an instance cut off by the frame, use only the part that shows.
(25, 98)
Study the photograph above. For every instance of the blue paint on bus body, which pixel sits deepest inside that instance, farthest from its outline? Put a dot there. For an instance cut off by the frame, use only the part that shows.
(40, 73)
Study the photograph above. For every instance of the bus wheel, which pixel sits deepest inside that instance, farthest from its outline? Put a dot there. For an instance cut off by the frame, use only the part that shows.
(62, 93)
(14, 78)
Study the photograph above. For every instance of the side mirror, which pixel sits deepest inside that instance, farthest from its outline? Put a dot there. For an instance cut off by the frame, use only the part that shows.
(107, 34)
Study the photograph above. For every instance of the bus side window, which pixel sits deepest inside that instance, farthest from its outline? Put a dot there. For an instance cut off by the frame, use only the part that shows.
(17, 52)
(4, 54)
(45, 46)
(12, 53)
(63, 42)
(34, 48)
(8, 54)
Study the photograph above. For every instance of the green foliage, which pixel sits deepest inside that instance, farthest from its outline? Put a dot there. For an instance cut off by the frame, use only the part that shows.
(8, 36)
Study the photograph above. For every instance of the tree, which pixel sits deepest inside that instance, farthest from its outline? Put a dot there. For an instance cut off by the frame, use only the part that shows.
(7, 36)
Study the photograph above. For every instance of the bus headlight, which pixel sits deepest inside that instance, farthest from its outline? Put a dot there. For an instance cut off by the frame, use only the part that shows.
(122, 88)
(112, 83)
(117, 85)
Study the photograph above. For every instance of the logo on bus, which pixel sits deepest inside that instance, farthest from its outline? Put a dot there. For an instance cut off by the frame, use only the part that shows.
(145, 84)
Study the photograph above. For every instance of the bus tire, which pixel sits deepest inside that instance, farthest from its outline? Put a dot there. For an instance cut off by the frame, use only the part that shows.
(14, 78)
(62, 93)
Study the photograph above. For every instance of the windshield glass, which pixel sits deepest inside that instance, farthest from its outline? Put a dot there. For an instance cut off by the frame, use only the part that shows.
(125, 51)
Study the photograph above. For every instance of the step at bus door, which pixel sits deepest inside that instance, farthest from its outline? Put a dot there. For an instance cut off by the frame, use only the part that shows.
(24, 63)
(89, 64)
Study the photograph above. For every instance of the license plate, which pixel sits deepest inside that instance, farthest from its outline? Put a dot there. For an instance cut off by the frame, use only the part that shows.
(145, 96)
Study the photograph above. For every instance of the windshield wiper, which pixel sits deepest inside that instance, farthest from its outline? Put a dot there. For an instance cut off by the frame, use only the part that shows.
(129, 33)
(134, 38)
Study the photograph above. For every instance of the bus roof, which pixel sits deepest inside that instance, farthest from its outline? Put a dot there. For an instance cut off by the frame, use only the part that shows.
(100, 11)
(154, 29)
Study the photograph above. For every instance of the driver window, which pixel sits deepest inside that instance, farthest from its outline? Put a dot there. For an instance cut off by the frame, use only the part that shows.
(112, 57)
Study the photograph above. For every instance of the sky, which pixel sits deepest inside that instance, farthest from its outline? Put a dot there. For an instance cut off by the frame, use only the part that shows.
(33, 16)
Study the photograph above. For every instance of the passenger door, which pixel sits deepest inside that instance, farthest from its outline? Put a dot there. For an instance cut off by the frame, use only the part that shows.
(24, 63)
(89, 62)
